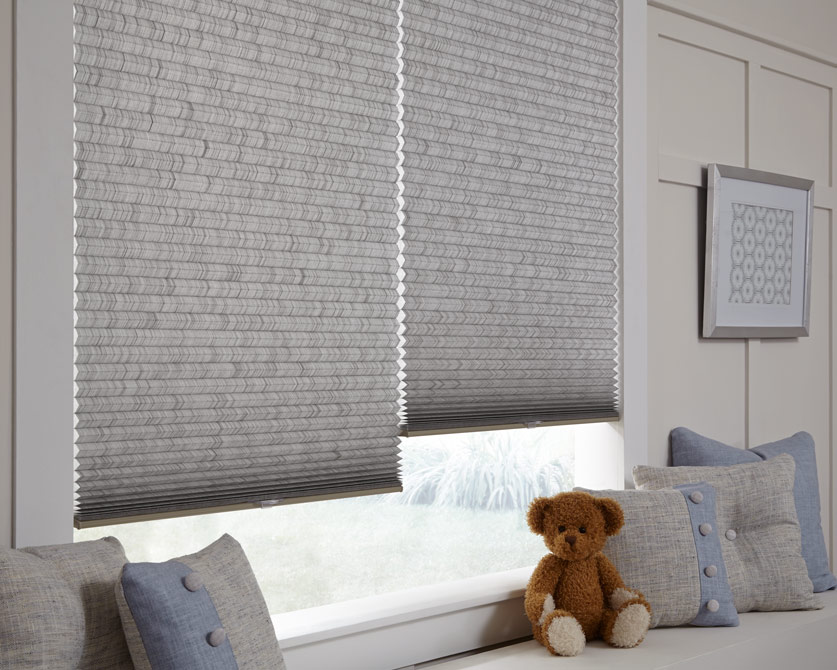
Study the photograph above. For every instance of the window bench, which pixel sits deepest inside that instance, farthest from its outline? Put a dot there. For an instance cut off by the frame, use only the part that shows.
(801, 640)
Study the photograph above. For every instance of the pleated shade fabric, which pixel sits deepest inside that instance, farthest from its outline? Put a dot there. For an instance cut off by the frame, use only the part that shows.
(237, 242)
(509, 211)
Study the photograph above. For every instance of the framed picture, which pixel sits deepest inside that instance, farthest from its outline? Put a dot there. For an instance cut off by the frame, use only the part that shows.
(758, 254)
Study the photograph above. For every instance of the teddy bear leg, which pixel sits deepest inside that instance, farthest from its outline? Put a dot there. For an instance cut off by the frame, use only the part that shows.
(626, 626)
(562, 634)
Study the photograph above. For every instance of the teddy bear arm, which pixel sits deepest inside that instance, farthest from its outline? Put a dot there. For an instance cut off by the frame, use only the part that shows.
(613, 587)
(609, 577)
(541, 586)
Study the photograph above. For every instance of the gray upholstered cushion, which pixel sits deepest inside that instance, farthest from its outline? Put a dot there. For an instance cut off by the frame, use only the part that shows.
(661, 552)
(690, 448)
(169, 616)
(760, 536)
(57, 608)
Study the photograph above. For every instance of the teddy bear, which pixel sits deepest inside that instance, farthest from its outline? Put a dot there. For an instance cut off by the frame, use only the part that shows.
(575, 593)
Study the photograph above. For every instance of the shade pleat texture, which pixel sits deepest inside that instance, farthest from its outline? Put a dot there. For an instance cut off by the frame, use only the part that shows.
(301, 223)
(236, 252)
(509, 215)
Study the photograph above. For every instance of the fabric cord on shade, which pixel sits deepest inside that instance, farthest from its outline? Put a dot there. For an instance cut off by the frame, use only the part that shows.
(510, 211)
(236, 231)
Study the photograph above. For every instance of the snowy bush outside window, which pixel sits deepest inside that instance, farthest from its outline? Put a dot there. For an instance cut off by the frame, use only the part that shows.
(462, 513)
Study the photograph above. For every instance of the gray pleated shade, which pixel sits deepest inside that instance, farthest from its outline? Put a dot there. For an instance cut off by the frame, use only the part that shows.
(236, 261)
(509, 211)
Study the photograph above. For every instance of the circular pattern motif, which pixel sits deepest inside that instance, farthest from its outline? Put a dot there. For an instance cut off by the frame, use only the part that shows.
(760, 231)
(749, 266)
(747, 291)
(749, 242)
(770, 220)
(781, 233)
(738, 229)
(737, 253)
(769, 293)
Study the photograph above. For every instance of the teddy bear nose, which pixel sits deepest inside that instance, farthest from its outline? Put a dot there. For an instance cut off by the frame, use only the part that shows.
(570, 539)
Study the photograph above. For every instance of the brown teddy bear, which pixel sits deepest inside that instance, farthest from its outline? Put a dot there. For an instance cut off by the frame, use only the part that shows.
(575, 593)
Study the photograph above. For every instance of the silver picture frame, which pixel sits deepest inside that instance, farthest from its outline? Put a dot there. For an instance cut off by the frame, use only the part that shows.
(759, 229)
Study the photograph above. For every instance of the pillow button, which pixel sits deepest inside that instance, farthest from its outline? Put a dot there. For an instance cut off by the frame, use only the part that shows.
(710, 570)
(731, 534)
(696, 497)
(193, 582)
(705, 528)
(217, 637)
(713, 605)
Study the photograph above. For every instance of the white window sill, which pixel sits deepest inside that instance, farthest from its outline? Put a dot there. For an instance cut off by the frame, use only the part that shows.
(400, 629)
(766, 640)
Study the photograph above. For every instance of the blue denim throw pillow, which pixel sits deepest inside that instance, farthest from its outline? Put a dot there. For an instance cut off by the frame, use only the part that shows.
(690, 448)
(203, 611)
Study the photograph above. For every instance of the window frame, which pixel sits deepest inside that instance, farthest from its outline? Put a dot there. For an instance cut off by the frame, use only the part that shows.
(404, 633)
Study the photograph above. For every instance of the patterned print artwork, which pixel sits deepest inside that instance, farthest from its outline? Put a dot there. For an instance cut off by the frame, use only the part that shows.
(762, 241)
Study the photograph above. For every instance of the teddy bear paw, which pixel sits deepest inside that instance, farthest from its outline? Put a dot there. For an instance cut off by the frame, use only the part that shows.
(630, 626)
(564, 636)
(548, 608)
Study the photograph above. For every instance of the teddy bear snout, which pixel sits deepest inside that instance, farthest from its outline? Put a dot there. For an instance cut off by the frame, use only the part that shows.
(570, 540)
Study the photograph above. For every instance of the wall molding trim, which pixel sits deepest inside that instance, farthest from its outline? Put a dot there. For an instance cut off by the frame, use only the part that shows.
(43, 262)
(745, 31)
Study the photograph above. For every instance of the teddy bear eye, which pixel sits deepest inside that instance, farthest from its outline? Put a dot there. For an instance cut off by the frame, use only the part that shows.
(582, 529)
(561, 529)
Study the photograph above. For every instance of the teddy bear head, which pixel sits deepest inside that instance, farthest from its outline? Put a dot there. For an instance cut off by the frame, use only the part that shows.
(575, 525)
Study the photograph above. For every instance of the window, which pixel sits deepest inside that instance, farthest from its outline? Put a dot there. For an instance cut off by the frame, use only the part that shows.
(43, 356)
(461, 514)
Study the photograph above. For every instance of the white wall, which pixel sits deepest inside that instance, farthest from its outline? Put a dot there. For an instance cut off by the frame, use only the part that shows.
(717, 95)
(5, 272)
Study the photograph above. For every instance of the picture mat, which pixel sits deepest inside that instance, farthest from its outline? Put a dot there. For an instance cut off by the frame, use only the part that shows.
(759, 194)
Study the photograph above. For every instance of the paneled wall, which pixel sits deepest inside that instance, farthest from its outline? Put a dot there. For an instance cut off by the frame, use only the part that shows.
(719, 95)
(5, 272)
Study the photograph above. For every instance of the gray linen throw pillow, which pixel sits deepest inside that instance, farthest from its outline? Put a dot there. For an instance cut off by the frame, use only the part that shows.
(691, 448)
(662, 552)
(58, 610)
(759, 531)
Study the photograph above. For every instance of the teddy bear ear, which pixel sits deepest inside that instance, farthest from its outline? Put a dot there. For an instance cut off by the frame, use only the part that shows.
(537, 514)
(612, 513)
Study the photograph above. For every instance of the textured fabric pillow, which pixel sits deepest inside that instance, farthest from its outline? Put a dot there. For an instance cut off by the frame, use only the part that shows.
(662, 552)
(760, 536)
(690, 448)
(204, 611)
(57, 608)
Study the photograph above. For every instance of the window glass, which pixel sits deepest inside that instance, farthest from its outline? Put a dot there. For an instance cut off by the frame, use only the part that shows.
(462, 513)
